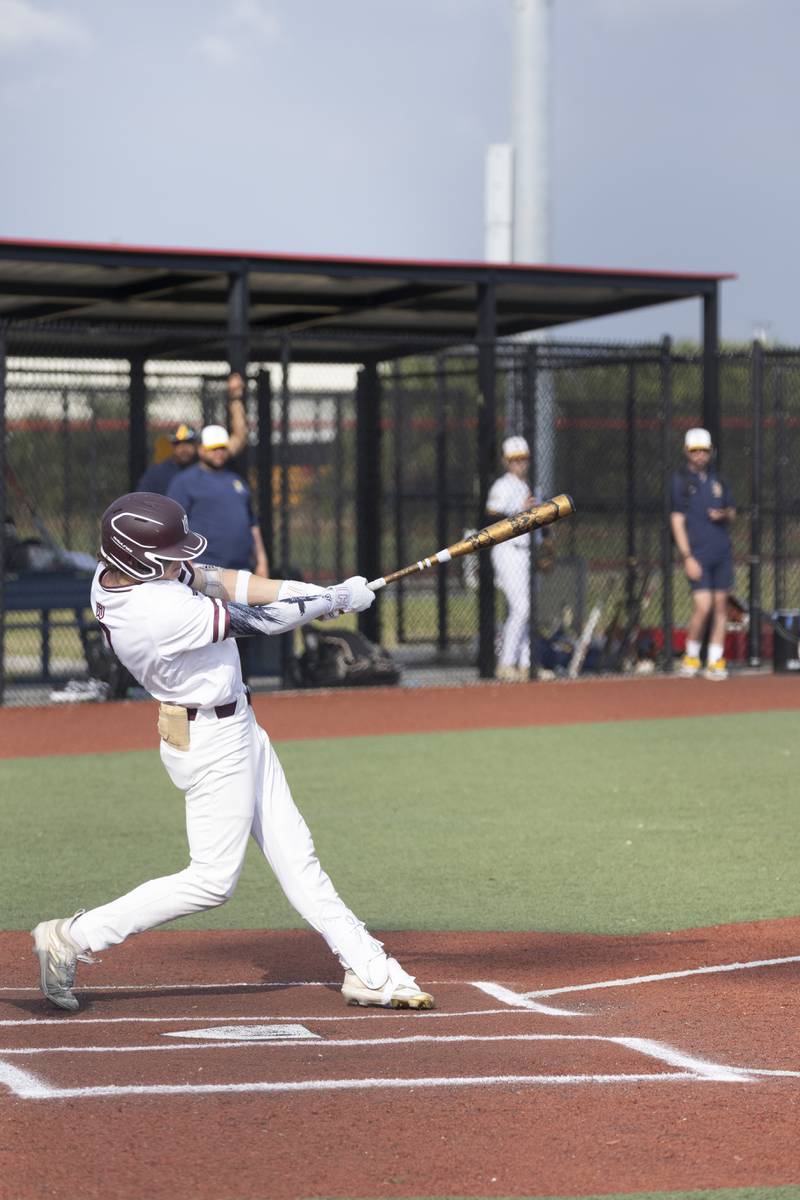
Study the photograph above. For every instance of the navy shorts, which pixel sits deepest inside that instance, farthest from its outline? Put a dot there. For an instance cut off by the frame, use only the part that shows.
(717, 575)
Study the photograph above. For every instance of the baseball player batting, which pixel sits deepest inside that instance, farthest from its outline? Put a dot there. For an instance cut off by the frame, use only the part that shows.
(171, 623)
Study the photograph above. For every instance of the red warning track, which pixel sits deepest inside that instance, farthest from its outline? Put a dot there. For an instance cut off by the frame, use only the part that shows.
(684, 1077)
(130, 725)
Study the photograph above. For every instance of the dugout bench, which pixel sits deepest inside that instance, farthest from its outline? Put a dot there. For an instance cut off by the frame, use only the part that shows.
(66, 593)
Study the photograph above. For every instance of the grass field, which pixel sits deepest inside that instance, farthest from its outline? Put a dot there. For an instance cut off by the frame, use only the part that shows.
(615, 828)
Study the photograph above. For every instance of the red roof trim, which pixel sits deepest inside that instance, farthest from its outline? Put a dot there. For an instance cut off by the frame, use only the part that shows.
(334, 259)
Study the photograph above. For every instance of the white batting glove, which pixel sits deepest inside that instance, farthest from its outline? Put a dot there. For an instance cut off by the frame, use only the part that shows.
(352, 596)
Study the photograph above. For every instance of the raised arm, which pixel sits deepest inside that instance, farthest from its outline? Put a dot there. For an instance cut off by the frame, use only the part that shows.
(237, 415)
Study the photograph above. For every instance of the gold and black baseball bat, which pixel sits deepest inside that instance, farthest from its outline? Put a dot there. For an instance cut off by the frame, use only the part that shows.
(501, 531)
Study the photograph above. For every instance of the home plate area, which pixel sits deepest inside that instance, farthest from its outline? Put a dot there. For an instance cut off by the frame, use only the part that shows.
(298, 1037)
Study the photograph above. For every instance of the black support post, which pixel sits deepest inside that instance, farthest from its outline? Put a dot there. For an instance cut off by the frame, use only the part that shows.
(711, 411)
(530, 428)
(398, 465)
(284, 459)
(487, 457)
(631, 574)
(239, 355)
(441, 498)
(756, 490)
(239, 321)
(286, 571)
(780, 460)
(264, 461)
(137, 421)
(2, 509)
(368, 487)
(666, 500)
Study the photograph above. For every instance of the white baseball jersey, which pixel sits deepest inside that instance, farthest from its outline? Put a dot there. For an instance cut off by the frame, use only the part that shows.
(509, 495)
(171, 638)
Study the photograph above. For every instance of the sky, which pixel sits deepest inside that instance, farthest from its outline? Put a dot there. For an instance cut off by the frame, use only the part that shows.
(360, 127)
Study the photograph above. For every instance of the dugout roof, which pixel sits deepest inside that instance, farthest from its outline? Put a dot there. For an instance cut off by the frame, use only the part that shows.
(151, 299)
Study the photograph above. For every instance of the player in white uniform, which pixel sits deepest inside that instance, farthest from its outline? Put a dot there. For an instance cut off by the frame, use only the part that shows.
(511, 560)
(172, 625)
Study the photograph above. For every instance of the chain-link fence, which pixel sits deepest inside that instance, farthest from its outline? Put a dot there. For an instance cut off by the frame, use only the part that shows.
(604, 423)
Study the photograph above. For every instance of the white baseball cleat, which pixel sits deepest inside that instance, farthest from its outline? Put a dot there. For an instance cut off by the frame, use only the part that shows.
(58, 957)
(399, 991)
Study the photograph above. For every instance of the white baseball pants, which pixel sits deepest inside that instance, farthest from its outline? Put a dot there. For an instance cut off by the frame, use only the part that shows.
(512, 573)
(236, 789)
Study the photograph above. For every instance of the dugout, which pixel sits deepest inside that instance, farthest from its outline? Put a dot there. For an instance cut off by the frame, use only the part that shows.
(131, 307)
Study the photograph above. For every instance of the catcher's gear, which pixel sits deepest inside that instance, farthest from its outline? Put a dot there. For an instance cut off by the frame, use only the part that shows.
(142, 531)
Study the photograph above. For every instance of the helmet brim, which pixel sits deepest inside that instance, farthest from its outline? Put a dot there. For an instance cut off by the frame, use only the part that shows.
(191, 546)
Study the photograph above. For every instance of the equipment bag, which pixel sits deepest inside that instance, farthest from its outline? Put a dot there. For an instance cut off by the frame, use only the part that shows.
(343, 658)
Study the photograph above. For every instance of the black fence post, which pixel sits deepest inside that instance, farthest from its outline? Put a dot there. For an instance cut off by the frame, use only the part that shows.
(2, 510)
(487, 457)
(284, 456)
(137, 420)
(756, 470)
(630, 493)
(264, 462)
(398, 443)
(239, 321)
(530, 429)
(666, 531)
(338, 485)
(286, 547)
(442, 538)
(780, 463)
(368, 487)
(711, 413)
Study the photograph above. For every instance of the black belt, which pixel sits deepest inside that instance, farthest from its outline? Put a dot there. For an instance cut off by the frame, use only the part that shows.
(221, 710)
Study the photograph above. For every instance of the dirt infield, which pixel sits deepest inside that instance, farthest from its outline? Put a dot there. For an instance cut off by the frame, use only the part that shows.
(554, 1065)
(224, 1066)
(130, 725)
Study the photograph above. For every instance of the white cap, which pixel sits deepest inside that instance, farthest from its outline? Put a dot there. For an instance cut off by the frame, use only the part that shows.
(697, 439)
(214, 437)
(516, 447)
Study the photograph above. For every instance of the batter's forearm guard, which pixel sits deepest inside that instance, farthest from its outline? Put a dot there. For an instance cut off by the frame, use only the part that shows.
(283, 615)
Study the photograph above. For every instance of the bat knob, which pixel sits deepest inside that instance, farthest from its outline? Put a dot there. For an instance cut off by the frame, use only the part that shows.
(564, 503)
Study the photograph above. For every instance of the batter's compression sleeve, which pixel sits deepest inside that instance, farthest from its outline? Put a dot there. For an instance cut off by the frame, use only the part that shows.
(245, 620)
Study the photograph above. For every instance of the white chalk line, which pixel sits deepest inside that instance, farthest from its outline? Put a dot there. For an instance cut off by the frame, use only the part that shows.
(373, 1014)
(645, 1046)
(196, 987)
(529, 999)
(515, 998)
(36, 1091)
(27, 1085)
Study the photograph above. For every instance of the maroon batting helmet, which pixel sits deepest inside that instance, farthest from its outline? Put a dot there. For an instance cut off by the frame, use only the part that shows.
(142, 531)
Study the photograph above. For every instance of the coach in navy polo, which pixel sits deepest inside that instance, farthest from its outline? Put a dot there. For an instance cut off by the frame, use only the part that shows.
(702, 510)
(217, 503)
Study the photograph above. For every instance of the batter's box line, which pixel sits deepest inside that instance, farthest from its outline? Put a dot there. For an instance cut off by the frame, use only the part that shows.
(26, 1085)
(533, 1000)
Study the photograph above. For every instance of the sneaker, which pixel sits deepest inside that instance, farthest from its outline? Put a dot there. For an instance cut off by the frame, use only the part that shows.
(399, 991)
(689, 667)
(717, 670)
(509, 674)
(58, 957)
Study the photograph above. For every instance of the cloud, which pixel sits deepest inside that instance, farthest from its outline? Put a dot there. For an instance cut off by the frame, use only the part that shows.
(217, 49)
(243, 22)
(252, 17)
(24, 25)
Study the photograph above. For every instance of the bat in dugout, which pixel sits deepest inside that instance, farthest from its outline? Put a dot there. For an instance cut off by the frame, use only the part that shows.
(500, 531)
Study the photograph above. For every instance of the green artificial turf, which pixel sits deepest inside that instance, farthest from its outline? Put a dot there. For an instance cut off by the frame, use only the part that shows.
(749, 1193)
(607, 828)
